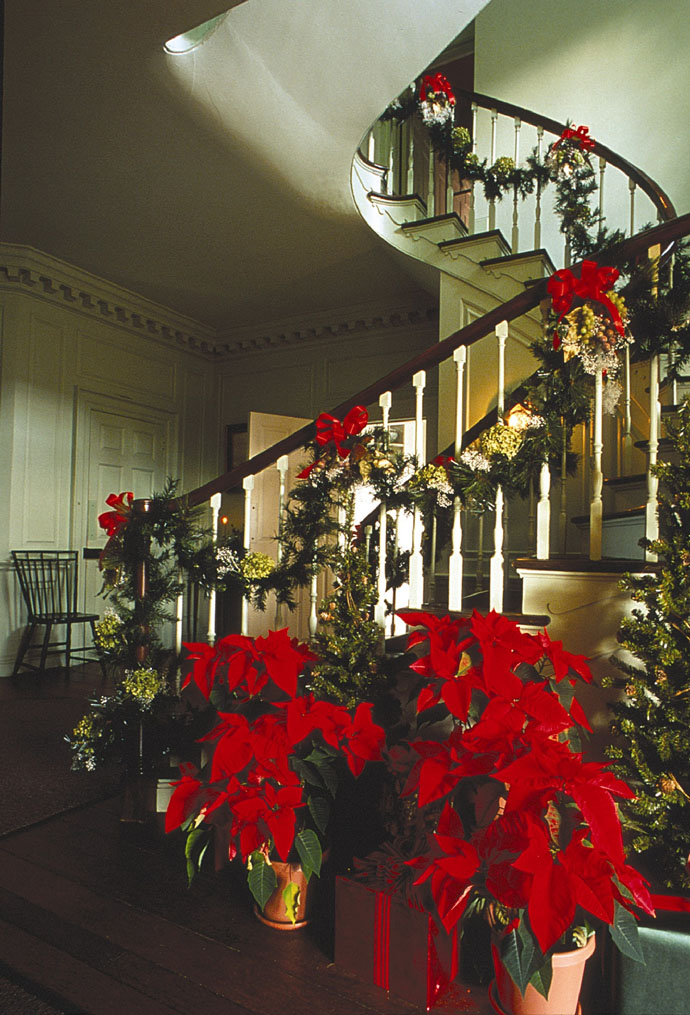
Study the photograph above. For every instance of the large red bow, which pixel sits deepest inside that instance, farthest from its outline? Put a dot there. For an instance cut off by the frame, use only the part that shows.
(113, 521)
(330, 429)
(579, 136)
(436, 83)
(593, 284)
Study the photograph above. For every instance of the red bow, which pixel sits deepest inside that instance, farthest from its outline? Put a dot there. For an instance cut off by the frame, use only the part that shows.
(329, 428)
(436, 83)
(579, 136)
(113, 521)
(593, 284)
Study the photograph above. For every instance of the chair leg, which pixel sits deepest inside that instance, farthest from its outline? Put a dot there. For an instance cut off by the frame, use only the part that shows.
(23, 646)
(101, 660)
(68, 648)
(44, 650)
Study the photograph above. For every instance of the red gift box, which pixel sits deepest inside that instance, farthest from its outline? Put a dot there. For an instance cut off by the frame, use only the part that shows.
(387, 940)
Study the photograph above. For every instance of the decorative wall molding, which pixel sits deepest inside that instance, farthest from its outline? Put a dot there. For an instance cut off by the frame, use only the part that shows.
(26, 269)
(317, 327)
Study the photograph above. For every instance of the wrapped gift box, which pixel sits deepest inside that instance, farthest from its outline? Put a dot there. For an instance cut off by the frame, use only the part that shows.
(387, 940)
(659, 985)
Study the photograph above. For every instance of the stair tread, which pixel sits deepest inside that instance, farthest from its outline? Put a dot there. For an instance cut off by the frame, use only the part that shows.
(639, 477)
(606, 565)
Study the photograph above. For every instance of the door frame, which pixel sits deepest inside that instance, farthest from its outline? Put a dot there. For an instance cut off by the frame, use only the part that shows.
(86, 402)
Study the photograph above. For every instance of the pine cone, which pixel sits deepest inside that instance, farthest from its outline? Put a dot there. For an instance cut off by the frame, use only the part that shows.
(666, 785)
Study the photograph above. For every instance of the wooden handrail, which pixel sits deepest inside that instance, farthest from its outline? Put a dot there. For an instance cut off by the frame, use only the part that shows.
(657, 196)
(663, 234)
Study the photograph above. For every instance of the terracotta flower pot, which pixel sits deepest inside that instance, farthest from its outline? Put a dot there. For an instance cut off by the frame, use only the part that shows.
(564, 994)
(274, 913)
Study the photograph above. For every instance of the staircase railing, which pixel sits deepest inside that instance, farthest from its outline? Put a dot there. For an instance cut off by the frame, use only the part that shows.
(403, 153)
(661, 237)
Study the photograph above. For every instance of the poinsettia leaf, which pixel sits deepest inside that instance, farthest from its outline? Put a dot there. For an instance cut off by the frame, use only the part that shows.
(309, 851)
(291, 894)
(541, 978)
(512, 960)
(625, 934)
(194, 850)
(262, 882)
(307, 773)
(320, 810)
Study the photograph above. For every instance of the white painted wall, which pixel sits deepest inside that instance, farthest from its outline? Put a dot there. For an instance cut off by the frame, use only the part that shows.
(620, 67)
(67, 338)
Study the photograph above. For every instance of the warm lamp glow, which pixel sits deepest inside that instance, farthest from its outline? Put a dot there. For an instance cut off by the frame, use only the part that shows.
(519, 417)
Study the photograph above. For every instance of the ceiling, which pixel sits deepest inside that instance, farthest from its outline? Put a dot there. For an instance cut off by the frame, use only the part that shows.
(214, 182)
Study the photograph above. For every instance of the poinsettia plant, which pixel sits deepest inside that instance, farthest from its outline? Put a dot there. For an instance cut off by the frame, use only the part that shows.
(540, 849)
(268, 789)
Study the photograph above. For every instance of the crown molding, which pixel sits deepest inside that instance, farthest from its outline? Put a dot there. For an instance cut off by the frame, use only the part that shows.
(359, 319)
(29, 270)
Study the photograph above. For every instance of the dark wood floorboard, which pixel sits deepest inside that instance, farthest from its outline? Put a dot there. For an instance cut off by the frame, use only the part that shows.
(97, 912)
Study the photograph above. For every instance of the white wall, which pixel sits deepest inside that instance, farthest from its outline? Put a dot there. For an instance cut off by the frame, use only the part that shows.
(68, 339)
(620, 67)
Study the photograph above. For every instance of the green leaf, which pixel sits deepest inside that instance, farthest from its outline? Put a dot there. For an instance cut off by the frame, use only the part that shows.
(262, 882)
(308, 773)
(291, 896)
(309, 851)
(624, 932)
(320, 810)
(541, 978)
(195, 849)
(329, 776)
(511, 958)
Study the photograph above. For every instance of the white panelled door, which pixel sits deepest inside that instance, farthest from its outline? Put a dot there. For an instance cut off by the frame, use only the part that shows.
(126, 450)
(265, 429)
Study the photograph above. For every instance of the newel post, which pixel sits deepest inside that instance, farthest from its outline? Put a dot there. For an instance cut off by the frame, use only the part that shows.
(140, 509)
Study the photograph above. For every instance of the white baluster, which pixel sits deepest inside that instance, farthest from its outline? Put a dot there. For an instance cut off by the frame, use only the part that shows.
(455, 563)
(474, 152)
(313, 600)
(627, 441)
(544, 513)
(385, 402)
(416, 560)
(282, 467)
(496, 572)
(179, 618)
(515, 241)
(537, 209)
(632, 185)
(391, 157)
(602, 171)
(497, 566)
(492, 159)
(450, 195)
(431, 185)
(371, 147)
(651, 528)
(247, 486)
(215, 511)
(410, 155)
(596, 503)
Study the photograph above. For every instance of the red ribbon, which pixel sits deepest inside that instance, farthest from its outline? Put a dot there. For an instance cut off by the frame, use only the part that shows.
(579, 136)
(436, 83)
(330, 429)
(593, 284)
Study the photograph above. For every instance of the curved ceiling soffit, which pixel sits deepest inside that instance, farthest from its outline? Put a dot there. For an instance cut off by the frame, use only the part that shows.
(299, 121)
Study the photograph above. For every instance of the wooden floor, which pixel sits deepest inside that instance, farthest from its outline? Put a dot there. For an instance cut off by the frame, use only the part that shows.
(96, 916)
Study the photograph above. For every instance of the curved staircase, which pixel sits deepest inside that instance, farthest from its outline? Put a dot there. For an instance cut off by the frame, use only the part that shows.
(491, 296)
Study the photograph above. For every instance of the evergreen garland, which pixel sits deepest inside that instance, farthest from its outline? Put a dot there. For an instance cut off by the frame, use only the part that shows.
(652, 723)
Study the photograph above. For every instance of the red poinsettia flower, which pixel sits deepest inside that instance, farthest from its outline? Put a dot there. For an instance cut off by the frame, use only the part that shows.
(363, 740)
(563, 662)
(263, 812)
(113, 521)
